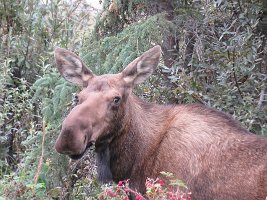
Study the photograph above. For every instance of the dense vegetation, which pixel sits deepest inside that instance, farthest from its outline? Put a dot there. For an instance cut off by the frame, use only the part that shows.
(213, 53)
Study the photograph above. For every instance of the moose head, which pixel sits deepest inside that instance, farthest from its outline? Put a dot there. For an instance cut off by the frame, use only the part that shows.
(101, 102)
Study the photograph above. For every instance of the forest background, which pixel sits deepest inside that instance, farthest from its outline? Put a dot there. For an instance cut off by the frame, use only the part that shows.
(214, 53)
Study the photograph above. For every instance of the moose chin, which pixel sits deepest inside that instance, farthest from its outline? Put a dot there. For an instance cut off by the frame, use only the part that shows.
(134, 139)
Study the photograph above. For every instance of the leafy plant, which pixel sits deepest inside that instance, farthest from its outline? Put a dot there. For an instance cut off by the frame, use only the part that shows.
(155, 189)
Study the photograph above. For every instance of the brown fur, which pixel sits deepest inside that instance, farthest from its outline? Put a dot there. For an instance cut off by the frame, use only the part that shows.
(211, 152)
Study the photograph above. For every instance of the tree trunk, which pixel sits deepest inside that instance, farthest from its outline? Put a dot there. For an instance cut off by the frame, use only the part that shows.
(263, 23)
(170, 42)
(263, 29)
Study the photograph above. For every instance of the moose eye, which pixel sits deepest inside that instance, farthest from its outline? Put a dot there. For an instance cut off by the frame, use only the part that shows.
(116, 100)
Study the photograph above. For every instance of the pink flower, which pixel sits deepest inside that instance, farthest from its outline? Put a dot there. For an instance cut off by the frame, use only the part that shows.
(138, 197)
(120, 183)
(170, 194)
(101, 196)
(109, 192)
(188, 197)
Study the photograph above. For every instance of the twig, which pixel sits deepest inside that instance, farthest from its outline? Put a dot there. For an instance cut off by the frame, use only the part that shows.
(261, 100)
(40, 164)
(236, 82)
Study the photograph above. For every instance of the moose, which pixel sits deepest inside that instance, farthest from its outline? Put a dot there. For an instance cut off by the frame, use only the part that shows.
(134, 139)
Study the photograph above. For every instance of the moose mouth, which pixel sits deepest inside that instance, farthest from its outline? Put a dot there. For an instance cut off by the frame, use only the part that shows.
(99, 145)
(78, 156)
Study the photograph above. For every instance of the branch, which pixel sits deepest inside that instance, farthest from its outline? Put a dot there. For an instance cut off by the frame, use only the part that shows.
(261, 100)
(264, 89)
(236, 82)
(40, 164)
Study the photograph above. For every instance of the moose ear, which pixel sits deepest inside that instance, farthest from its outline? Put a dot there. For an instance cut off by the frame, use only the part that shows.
(142, 67)
(72, 68)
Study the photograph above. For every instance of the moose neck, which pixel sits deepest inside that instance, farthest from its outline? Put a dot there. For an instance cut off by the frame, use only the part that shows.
(136, 139)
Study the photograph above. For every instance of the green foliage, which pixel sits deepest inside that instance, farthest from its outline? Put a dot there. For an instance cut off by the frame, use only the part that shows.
(155, 189)
(55, 94)
(32, 97)
(217, 59)
(111, 54)
(117, 14)
(225, 69)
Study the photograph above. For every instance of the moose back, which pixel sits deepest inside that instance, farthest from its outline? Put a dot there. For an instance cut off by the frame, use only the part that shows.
(211, 152)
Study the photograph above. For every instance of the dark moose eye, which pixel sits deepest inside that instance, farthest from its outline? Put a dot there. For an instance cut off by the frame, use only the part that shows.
(116, 100)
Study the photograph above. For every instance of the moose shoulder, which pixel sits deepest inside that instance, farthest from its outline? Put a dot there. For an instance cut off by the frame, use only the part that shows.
(134, 139)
